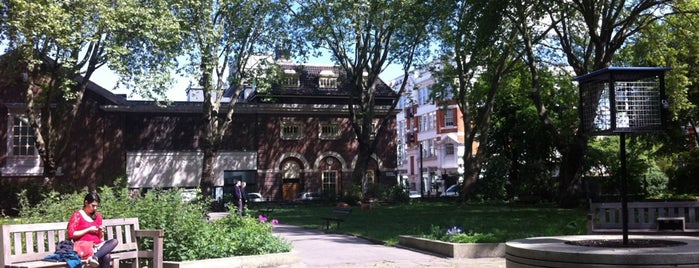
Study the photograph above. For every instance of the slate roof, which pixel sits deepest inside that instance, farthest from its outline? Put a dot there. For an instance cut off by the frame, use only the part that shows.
(309, 76)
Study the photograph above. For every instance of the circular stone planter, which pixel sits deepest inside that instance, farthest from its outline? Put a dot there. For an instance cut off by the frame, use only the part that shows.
(555, 252)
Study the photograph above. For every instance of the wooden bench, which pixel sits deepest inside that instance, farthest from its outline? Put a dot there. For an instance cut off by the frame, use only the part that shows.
(266, 209)
(672, 217)
(339, 214)
(26, 245)
(212, 216)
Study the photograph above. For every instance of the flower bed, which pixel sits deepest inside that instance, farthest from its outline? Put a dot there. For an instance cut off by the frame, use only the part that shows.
(454, 250)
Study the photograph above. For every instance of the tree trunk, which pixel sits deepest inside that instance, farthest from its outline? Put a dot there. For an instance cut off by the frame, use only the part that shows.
(207, 174)
(570, 183)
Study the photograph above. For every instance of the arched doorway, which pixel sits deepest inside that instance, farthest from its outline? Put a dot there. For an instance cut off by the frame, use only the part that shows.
(291, 178)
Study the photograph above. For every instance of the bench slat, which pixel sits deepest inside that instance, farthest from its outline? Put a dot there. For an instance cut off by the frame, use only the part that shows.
(40, 242)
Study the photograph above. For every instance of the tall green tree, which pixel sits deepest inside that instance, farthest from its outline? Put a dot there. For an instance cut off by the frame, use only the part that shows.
(479, 49)
(674, 42)
(522, 159)
(59, 46)
(364, 37)
(589, 34)
(218, 41)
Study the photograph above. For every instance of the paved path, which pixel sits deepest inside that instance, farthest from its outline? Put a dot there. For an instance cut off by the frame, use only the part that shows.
(318, 249)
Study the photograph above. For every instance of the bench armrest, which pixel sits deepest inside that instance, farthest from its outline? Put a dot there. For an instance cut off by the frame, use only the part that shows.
(157, 236)
(150, 233)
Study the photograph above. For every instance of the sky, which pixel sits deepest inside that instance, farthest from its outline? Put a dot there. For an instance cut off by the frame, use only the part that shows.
(108, 79)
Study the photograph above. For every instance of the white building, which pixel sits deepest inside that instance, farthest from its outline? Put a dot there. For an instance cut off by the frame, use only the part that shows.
(430, 137)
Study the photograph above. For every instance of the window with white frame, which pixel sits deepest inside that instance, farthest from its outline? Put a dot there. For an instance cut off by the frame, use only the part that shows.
(291, 130)
(328, 83)
(449, 118)
(448, 149)
(327, 80)
(329, 131)
(428, 121)
(22, 156)
(428, 148)
(22, 137)
(291, 79)
(329, 179)
(423, 96)
(423, 122)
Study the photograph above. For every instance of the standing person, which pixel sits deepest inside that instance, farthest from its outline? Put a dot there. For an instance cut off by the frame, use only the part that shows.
(238, 195)
(85, 228)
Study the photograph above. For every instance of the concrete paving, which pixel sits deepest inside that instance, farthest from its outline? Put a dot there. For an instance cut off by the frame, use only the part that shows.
(318, 249)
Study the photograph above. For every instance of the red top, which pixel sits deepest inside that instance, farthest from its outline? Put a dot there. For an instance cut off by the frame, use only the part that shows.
(80, 221)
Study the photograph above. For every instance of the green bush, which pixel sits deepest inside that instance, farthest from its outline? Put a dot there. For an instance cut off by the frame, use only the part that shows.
(188, 235)
(399, 194)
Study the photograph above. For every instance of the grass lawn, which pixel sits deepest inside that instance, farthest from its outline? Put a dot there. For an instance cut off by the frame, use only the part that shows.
(386, 222)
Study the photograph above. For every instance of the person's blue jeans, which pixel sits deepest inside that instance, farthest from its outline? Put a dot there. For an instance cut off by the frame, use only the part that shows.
(102, 253)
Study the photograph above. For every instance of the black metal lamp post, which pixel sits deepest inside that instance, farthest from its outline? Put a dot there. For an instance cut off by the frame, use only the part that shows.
(621, 100)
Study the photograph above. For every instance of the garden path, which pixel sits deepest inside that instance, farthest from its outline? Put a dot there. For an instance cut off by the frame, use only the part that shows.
(318, 249)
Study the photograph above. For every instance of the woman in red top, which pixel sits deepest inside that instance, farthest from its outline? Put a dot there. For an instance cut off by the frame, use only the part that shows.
(86, 225)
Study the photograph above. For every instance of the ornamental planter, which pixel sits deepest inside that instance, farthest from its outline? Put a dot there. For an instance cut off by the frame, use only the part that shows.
(454, 250)
(266, 260)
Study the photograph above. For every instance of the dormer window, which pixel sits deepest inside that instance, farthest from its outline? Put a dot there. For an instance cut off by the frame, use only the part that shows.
(327, 80)
(291, 78)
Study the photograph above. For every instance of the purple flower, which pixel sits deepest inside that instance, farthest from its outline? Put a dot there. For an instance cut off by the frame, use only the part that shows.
(275, 222)
(262, 218)
(454, 231)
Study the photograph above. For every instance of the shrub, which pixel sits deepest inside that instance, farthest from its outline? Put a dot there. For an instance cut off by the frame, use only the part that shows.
(399, 194)
(188, 236)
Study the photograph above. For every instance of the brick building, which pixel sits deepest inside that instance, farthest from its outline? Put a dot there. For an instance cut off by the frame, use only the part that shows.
(292, 139)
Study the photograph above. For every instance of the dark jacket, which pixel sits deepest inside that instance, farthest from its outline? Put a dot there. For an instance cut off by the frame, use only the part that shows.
(65, 253)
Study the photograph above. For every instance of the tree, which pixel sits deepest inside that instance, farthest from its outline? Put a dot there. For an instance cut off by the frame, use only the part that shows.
(522, 159)
(672, 42)
(589, 34)
(478, 50)
(219, 40)
(363, 38)
(59, 46)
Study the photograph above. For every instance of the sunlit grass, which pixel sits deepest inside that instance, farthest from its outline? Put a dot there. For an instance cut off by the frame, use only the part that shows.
(386, 222)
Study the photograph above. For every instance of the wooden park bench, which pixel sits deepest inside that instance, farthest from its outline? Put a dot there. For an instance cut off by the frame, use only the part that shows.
(26, 245)
(212, 216)
(672, 217)
(266, 209)
(339, 214)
